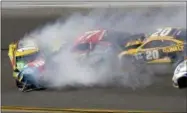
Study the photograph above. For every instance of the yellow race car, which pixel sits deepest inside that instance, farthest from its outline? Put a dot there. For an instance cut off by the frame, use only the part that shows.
(20, 53)
(28, 59)
(165, 46)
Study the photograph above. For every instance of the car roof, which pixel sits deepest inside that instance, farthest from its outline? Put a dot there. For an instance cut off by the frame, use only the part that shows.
(177, 33)
(181, 34)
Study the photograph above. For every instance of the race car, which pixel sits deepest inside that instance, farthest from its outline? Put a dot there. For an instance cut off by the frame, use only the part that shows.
(105, 41)
(21, 53)
(97, 43)
(96, 47)
(180, 75)
(165, 46)
(28, 63)
(88, 41)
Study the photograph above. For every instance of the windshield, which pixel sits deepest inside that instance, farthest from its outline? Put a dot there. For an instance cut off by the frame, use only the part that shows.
(132, 46)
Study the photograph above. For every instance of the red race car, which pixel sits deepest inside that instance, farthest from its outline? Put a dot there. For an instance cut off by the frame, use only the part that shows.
(101, 45)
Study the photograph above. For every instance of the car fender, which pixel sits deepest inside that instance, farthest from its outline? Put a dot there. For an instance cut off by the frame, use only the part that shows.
(180, 71)
(128, 52)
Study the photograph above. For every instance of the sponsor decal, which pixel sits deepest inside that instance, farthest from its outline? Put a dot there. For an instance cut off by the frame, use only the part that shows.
(20, 65)
(173, 49)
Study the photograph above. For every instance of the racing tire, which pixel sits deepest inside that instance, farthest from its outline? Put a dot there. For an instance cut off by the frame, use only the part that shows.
(24, 87)
(21, 87)
(19, 84)
(182, 82)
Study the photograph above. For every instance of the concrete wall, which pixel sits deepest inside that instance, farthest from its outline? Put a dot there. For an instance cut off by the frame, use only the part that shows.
(18, 20)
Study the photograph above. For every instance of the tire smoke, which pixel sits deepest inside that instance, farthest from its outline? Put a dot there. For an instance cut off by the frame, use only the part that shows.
(64, 70)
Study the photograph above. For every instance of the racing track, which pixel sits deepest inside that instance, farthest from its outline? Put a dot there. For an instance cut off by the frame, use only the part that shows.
(162, 97)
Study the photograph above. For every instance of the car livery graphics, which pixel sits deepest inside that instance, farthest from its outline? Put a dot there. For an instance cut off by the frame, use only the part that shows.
(164, 46)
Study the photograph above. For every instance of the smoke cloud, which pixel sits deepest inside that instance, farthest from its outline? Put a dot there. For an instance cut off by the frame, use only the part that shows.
(66, 71)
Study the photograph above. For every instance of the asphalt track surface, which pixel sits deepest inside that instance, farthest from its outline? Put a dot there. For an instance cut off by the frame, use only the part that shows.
(159, 97)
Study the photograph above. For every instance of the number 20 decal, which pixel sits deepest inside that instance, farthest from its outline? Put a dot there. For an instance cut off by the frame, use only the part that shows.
(150, 55)
(162, 32)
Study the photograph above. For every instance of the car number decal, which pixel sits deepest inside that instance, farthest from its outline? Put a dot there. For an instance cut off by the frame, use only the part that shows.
(162, 32)
(88, 35)
(151, 55)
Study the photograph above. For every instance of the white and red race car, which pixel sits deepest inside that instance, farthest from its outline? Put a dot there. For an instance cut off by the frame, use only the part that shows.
(102, 42)
(180, 75)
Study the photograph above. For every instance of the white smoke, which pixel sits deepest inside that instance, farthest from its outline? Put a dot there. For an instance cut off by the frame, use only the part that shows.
(67, 72)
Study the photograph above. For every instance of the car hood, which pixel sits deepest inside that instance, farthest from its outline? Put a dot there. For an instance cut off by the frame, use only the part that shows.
(127, 52)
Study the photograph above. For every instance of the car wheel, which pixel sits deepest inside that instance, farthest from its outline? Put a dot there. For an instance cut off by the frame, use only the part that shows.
(19, 84)
(182, 82)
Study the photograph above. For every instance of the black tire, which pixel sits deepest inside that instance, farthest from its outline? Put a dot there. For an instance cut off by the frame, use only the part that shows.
(182, 82)
(19, 84)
